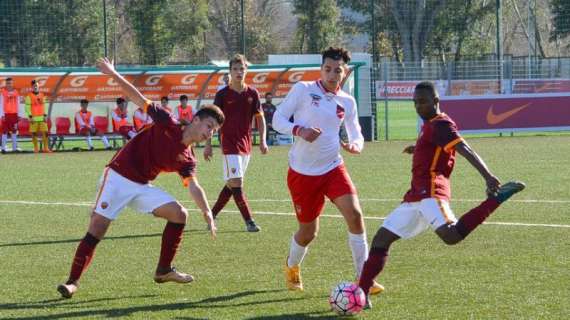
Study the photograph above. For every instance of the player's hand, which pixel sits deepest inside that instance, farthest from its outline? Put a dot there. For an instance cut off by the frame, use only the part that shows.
(493, 184)
(105, 66)
(208, 154)
(350, 148)
(211, 223)
(309, 134)
(263, 147)
(409, 149)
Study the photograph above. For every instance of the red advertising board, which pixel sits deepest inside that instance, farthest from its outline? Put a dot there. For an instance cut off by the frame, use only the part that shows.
(195, 84)
(523, 112)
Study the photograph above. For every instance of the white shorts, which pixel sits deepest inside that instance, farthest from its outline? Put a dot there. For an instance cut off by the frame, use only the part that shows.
(412, 218)
(234, 165)
(115, 192)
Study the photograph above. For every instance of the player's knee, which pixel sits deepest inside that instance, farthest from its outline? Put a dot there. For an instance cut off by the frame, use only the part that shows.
(182, 215)
(449, 234)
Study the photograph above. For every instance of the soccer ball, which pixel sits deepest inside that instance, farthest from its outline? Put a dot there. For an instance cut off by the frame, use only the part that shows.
(347, 299)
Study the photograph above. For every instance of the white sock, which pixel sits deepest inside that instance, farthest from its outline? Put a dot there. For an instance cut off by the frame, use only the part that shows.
(296, 253)
(359, 247)
(105, 141)
(4, 139)
(89, 142)
(14, 141)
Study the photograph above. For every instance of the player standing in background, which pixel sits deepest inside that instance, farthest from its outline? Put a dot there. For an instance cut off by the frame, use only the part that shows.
(165, 146)
(9, 106)
(240, 104)
(36, 104)
(164, 104)
(316, 168)
(426, 204)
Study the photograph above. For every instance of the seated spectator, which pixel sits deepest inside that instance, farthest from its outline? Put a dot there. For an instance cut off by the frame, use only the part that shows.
(85, 126)
(164, 104)
(141, 119)
(184, 111)
(121, 123)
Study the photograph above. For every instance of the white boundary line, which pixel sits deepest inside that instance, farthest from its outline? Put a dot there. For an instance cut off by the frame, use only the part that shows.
(88, 204)
(400, 199)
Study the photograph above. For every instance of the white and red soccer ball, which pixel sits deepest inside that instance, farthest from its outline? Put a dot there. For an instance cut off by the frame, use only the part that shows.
(347, 299)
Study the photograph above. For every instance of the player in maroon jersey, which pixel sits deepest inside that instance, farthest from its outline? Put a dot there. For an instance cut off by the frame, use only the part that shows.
(240, 104)
(426, 204)
(164, 146)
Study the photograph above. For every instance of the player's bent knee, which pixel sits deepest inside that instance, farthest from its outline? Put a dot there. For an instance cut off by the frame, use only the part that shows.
(449, 234)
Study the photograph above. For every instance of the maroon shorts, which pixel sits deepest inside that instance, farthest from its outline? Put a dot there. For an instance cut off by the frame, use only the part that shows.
(10, 122)
(309, 192)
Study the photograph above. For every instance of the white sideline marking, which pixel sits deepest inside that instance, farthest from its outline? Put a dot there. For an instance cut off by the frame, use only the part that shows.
(88, 204)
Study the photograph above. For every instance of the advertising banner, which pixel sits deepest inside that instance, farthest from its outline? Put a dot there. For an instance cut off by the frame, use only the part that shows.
(523, 112)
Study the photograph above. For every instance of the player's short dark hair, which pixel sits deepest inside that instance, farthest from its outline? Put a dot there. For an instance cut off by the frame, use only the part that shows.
(336, 54)
(34, 82)
(9, 79)
(120, 100)
(183, 97)
(84, 101)
(268, 94)
(211, 111)
(164, 98)
(428, 86)
(238, 58)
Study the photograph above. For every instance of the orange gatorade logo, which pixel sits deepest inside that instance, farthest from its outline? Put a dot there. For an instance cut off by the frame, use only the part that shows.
(496, 118)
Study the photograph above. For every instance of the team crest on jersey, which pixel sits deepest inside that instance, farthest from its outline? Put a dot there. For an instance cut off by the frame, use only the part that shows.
(104, 205)
(339, 112)
(315, 100)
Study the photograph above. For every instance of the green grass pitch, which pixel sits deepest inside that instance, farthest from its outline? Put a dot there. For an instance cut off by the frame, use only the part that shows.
(515, 267)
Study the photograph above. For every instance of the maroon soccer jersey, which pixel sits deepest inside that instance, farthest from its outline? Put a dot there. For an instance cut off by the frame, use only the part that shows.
(433, 160)
(239, 109)
(157, 148)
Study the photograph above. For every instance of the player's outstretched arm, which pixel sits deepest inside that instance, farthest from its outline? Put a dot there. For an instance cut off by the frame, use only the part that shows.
(201, 201)
(465, 150)
(131, 92)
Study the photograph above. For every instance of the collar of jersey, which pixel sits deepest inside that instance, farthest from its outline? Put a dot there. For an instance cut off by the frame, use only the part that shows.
(325, 90)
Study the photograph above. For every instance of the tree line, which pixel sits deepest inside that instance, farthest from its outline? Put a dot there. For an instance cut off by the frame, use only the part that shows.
(158, 32)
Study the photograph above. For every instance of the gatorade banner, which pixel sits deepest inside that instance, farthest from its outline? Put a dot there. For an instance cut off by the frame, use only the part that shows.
(94, 86)
(524, 112)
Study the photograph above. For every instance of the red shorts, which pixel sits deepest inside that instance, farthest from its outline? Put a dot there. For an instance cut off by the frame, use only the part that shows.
(124, 131)
(10, 122)
(308, 192)
(85, 131)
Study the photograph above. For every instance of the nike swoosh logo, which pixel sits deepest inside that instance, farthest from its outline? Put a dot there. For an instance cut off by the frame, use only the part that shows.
(494, 118)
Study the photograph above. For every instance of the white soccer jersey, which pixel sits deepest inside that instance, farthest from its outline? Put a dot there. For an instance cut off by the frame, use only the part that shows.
(312, 106)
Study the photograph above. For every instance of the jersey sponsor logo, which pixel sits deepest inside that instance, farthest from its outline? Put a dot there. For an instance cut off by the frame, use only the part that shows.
(315, 99)
(496, 118)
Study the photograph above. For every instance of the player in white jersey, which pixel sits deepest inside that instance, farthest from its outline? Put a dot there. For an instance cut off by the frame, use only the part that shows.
(316, 168)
